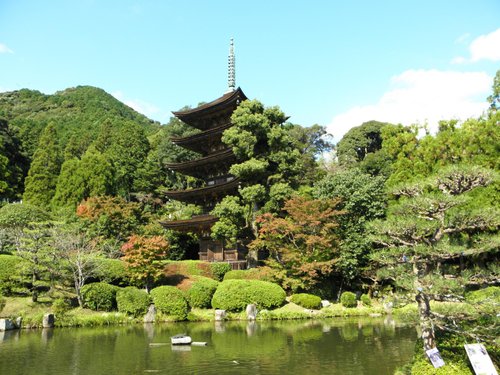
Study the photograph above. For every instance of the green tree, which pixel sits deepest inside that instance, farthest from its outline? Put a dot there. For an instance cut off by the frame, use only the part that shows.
(433, 226)
(363, 199)
(494, 98)
(42, 176)
(13, 164)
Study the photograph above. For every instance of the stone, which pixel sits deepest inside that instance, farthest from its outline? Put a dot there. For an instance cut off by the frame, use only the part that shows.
(251, 311)
(6, 325)
(220, 315)
(325, 303)
(19, 322)
(150, 315)
(48, 321)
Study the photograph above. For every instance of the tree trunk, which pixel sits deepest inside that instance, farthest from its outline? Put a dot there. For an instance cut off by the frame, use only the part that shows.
(424, 311)
(34, 290)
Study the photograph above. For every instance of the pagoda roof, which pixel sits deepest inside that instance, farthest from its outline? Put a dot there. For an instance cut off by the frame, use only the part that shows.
(227, 101)
(199, 195)
(196, 223)
(201, 167)
(200, 142)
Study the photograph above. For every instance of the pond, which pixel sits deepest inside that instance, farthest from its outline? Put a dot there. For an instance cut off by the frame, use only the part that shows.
(335, 346)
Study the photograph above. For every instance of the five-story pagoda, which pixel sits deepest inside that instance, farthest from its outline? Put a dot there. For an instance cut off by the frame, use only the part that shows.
(212, 167)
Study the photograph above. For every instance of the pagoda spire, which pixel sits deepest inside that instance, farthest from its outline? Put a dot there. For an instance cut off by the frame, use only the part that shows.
(231, 73)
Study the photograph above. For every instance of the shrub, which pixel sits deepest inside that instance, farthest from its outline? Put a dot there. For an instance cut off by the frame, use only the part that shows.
(348, 299)
(170, 301)
(132, 301)
(365, 299)
(112, 271)
(260, 273)
(306, 300)
(219, 269)
(10, 273)
(99, 296)
(2, 302)
(235, 295)
(201, 292)
(60, 307)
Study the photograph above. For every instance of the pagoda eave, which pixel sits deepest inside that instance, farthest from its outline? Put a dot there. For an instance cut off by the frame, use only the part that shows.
(201, 194)
(218, 161)
(195, 224)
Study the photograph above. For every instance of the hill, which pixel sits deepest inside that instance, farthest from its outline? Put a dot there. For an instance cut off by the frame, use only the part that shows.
(77, 114)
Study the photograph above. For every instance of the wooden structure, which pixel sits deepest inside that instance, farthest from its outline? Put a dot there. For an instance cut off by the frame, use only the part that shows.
(213, 168)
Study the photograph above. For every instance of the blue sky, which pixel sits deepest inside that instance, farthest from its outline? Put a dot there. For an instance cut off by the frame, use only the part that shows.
(335, 63)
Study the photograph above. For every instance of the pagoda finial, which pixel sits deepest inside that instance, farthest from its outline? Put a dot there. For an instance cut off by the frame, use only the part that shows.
(231, 73)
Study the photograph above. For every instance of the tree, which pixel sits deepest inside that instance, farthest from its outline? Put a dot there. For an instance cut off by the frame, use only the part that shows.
(436, 229)
(143, 256)
(363, 199)
(494, 98)
(42, 176)
(13, 163)
(76, 255)
(303, 246)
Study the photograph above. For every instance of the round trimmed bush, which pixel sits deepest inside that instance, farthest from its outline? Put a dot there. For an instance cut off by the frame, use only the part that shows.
(235, 295)
(365, 299)
(306, 300)
(170, 301)
(112, 271)
(201, 292)
(348, 299)
(132, 301)
(219, 269)
(259, 273)
(99, 296)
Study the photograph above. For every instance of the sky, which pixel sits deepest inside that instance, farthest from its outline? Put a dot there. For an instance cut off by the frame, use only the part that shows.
(333, 63)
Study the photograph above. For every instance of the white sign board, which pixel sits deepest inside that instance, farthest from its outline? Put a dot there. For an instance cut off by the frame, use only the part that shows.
(435, 357)
(480, 360)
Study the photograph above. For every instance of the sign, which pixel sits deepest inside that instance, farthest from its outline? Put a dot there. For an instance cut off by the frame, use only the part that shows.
(480, 360)
(435, 357)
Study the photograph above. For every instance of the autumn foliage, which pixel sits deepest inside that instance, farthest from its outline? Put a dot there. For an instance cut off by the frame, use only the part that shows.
(142, 256)
(303, 244)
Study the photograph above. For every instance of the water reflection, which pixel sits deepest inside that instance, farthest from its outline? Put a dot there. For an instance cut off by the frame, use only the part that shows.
(344, 346)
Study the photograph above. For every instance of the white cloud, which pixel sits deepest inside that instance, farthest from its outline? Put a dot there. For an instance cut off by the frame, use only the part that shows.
(421, 96)
(140, 106)
(484, 47)
(5, 49)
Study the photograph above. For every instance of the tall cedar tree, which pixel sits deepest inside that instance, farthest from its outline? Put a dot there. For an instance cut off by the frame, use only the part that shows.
(433, 233)
(143, 257)
(303, 246)
(42, 177)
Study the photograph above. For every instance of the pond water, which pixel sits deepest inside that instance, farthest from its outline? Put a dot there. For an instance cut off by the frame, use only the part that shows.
(335, 346)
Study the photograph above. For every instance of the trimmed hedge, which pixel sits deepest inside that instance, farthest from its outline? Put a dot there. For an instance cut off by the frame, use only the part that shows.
(348, 299)
(235, 295)
(132, 301)
(112, 271)
(365, 299)
(201, 292)
(170, 301)
(260, 273)
(99, 296)
(219, 270)
(306, 300)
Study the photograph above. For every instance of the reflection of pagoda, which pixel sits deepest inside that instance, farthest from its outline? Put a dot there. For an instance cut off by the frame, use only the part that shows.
(212, 167)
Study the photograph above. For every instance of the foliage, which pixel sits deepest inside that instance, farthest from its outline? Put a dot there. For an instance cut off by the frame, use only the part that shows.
(430, 229)
(348, 299)
(219, 270)
(132, 301)
(170, 301)
(366, 300)
(10, 276)
(13, 164)
(19, 215)
(307, 301)
(44, 169)
(2, 302)
(112, 271)
(260, 273)
(99, 296)
(142, 256)
(235, 295)
(201, 292)
(363, 198)
(110, 217)
(303, 246)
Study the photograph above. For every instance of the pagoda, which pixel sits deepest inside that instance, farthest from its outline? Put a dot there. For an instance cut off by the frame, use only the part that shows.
(212, 167)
